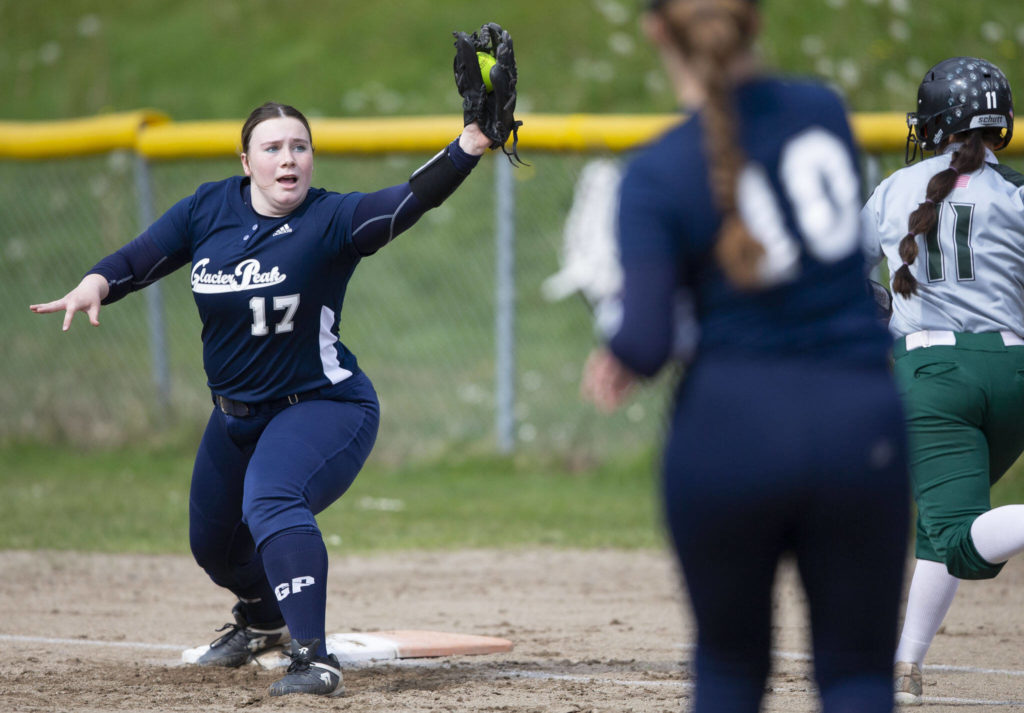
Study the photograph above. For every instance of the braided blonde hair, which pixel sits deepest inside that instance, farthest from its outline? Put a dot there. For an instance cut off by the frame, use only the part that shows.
(712, 34)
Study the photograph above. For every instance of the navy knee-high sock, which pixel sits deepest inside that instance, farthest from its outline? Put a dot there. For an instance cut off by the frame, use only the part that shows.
(296, 565)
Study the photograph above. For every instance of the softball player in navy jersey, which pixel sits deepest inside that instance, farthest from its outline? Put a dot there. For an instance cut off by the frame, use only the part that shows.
(786, 432)
(294, 416)
(952, 231)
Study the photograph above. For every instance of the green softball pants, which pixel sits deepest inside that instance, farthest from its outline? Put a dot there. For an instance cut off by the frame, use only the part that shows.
(965, 413)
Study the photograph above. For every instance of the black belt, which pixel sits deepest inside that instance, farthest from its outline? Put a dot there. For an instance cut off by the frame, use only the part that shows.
(241, 408)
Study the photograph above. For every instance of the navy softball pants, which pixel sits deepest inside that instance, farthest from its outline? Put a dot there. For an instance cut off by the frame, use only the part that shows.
(259, 476)
(769, 459)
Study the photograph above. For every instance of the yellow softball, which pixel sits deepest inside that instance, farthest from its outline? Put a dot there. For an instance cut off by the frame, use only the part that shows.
(486, 62)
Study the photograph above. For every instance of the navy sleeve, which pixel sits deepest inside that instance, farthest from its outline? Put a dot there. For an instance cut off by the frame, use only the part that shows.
(159, 251)
(650, 264)
(380, 216)
(464, 163)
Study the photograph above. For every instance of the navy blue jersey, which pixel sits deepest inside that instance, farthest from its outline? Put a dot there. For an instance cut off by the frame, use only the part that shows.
(269, 290)
(799, 195)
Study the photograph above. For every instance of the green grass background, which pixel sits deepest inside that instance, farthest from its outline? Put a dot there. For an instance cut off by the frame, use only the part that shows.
(136, 500)
(195, 59)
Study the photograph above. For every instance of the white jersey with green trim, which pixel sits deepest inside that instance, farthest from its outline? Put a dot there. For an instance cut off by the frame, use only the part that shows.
(970, 268)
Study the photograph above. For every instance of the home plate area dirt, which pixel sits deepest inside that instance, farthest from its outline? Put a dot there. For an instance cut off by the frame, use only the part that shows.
(590, 631)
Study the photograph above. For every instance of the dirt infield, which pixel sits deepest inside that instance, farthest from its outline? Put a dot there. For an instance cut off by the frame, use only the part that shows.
(593, 631)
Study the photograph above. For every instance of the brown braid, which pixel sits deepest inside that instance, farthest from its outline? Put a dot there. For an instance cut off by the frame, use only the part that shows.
(711, 34)
(966, 159)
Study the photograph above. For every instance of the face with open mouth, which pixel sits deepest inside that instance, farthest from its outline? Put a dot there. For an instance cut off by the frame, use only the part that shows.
(279, 160)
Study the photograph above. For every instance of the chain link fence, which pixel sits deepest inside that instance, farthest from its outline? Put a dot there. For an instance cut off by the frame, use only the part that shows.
(450, 321)
(420, 315)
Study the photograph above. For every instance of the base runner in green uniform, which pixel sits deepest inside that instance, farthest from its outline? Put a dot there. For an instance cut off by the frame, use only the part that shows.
(952, 231)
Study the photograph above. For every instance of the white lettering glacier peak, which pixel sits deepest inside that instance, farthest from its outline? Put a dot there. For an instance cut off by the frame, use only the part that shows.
(246, 276)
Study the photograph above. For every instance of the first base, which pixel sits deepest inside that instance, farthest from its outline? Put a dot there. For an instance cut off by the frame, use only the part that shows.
(410, 644)
(360, 649)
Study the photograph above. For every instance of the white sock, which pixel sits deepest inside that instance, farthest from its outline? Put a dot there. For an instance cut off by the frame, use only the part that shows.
(999, 534)
(931, 593)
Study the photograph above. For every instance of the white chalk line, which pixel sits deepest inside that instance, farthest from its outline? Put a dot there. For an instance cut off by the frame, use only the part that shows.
(972, 669)
(794, 656)
(970, 701)
(576, 678)
(545, 675)
(800, 656)
(93, 642)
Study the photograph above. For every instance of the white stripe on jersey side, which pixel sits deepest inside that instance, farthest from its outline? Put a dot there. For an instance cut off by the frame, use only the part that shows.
(328, 353)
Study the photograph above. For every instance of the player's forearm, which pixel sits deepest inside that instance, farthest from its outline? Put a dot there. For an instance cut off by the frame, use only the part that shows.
(438, 178)
(643, 340)
(383, 215)
(132, 267)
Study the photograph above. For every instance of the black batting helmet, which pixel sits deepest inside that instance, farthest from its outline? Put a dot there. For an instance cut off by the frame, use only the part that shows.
(959, 94)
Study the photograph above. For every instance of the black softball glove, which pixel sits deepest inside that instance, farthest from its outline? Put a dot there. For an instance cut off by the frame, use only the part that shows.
(492, 109)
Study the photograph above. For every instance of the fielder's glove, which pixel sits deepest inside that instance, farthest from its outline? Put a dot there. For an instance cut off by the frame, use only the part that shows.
(493, 110)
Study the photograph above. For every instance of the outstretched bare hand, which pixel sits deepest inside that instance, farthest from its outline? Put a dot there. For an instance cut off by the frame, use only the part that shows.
(84, 298)
(606, 382)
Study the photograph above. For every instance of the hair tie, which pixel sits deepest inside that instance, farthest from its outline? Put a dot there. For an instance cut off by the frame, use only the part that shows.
(929, 200)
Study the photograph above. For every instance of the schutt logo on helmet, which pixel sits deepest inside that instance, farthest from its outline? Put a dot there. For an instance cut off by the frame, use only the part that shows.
(959, 94)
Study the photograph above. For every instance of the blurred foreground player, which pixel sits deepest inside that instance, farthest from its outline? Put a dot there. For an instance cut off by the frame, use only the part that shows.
(786, 433)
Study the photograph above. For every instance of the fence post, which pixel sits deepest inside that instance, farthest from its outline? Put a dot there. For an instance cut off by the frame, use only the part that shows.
(872, 173)
(154, 300)
(505, 303)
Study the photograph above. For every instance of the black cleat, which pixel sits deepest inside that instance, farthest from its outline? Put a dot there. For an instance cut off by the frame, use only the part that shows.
(242, 642)
(309, 673)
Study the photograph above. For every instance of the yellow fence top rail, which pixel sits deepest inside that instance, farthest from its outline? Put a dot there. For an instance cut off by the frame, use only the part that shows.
(75, 137)
(189, 139)
(881, 133)
(154, 136)
(370, 135)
